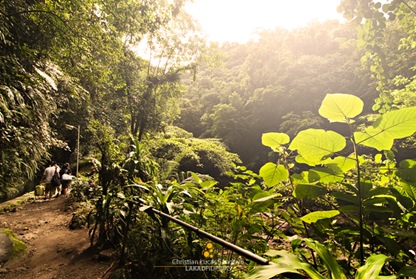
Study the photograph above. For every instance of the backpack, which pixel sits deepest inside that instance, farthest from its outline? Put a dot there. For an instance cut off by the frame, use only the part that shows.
(55, 179)
(65, 175)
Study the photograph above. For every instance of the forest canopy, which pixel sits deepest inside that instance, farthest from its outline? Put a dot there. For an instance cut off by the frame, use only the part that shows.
(136, 67)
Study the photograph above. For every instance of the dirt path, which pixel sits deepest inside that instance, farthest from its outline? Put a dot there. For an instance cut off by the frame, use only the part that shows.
(54, 251)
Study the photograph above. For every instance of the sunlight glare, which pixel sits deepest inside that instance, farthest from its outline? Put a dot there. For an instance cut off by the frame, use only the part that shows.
(238, 20)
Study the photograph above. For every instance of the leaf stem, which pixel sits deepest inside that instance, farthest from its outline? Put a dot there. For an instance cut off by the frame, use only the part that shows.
(359, 196)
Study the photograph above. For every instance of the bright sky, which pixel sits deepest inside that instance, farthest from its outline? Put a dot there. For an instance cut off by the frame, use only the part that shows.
(237, 20)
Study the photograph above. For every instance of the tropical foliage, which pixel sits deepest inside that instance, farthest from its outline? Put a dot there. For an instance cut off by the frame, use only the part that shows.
(366, 197)
(73, 63)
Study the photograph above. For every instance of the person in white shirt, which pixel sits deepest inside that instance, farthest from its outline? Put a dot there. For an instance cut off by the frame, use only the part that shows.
(50, 188)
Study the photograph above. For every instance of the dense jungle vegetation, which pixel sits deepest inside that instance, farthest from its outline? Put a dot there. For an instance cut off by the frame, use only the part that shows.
(298, 146)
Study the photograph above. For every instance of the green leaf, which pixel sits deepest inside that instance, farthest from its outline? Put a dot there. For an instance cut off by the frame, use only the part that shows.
(197, 179)
(390, 126)
(340, 107)
(273, 174)
(391, 244)
(274, 140)
(285, 263)
(377, 191)
(348, 231)
(265, 196)
(402, 196)
(325, 175)
(372, 267)
(299, 178)
(377, 201)
(262, 200)
(371, 138)
(407, 170)
(366, 186)
(208, 184)
(308, 191)
(300, 160)
(315, 216)
(410, 189)
(348, 208)
(269, 271)
(341, 163)
(315, 144)
(271, 253)
(330, 262)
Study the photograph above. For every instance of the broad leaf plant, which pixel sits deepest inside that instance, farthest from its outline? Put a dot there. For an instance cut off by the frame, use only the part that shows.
(355, 203)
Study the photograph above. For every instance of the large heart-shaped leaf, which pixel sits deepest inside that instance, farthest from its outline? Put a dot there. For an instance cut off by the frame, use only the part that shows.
(273, 174)
(390, 126)
(308, 191)
(340, 107)
(325, 175)
(340, 163)
(313, 145)
(274, 140)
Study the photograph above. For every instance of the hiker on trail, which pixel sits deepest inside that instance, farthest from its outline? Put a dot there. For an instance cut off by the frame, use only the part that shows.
(66, 179)
(51, 178)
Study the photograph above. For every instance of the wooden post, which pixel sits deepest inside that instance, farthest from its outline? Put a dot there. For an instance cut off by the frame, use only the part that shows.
(79, 131)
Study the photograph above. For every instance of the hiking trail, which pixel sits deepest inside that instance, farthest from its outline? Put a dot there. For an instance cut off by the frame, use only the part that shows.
(53, 249)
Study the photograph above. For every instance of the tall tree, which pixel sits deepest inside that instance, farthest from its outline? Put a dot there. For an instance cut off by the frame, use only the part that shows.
(60, 61)
(166, 54)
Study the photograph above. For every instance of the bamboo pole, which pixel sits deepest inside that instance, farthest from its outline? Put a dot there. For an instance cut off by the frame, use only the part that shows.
(242, 252)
